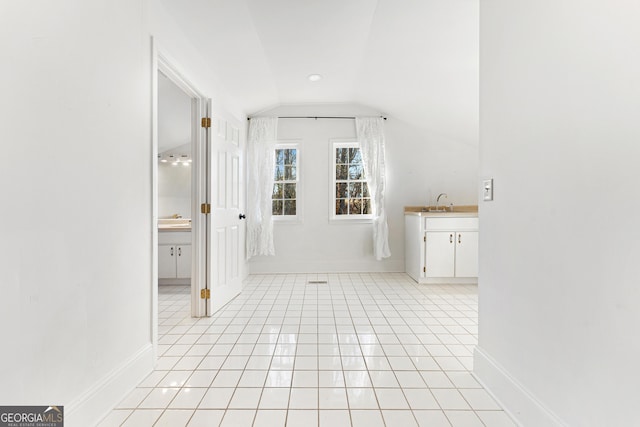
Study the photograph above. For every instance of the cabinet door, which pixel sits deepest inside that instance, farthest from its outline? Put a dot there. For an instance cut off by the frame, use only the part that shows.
(467, 254)
(440, 254)
(183, 264)
(166, 262)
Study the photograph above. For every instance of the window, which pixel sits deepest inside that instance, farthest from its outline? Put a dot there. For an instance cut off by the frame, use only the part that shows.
(285, 182)
(351, 198)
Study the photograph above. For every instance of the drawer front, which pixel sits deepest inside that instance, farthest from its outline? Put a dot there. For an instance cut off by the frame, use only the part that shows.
(171, 237)
(451, 224)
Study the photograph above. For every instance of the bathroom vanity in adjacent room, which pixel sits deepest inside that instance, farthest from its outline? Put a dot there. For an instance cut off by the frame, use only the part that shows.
(174, 251)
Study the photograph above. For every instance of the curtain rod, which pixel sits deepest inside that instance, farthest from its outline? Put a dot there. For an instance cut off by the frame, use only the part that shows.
(317, 117)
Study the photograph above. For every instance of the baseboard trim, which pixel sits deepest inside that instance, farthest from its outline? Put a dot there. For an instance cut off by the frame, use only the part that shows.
(523, 407)
(448, 281)
(283, 267)
(94, 404)
(163, 282)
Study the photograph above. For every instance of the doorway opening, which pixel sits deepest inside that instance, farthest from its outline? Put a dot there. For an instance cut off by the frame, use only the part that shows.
(180, 185)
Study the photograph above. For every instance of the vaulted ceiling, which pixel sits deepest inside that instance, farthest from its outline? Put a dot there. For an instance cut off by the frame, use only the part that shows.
(415, 60)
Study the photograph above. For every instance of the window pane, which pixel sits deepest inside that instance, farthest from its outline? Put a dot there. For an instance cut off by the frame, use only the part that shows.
(355, 206)
(277, 207)
(278, 173)
(342, 155)
(290, 156)
(285, 189)
(289, 207)
(355, 189)
(366, 207)
(342, 172)
(352, 195)
(356, 172)
(277, 191)
(290, 173)
(355, 156)
(365, 189)
(290, 191)
(341, 207)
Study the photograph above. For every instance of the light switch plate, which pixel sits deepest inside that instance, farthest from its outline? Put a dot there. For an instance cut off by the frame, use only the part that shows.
(487, 189)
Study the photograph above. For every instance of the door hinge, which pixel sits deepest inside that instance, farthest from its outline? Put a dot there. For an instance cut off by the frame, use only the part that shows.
(205, 294)
(424, 269)
(206, 122)
(425, 239)
(205, 208)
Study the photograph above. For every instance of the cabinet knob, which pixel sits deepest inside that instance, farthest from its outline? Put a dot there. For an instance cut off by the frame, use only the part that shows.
(450, 238)
(459, 237)
(171, 250)
(242, 216)
(179, 251)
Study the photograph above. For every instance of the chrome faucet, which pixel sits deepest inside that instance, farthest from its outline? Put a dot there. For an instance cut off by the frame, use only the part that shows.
(438, 199)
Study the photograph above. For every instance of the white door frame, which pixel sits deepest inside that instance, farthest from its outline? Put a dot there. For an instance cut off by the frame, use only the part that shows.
(161, 62)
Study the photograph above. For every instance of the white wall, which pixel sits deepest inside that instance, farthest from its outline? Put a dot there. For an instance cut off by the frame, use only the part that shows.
(75, 224)
(419, 166)
(174, 115)
(560, 245)
(174, 137)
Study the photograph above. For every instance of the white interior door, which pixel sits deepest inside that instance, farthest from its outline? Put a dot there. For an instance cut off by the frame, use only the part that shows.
(227, 225)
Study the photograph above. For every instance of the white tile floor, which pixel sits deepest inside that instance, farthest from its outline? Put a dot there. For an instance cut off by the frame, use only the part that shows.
(361, 350)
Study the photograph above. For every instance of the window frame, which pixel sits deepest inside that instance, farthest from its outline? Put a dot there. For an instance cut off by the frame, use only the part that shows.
(297, 218)
(338, 219)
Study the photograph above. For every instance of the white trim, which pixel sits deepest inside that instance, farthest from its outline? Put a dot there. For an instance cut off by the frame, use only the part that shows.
(448, 280)
(523, 407)
(342, 219)
(154, 198)
(97, 402)
(269, 266)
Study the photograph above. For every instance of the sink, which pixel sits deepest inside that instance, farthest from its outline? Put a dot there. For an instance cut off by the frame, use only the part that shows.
(438, 210)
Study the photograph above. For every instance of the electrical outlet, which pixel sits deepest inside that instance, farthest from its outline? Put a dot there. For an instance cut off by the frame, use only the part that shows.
(487, 189)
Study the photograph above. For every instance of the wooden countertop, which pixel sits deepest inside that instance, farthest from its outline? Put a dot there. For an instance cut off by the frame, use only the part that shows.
(174, 224)
(468, 211)
(164, 228)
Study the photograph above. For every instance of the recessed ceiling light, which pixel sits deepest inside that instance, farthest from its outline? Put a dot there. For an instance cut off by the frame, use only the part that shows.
(314, 77)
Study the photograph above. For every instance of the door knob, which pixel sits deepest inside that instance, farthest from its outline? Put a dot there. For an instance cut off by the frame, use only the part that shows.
(242, 216)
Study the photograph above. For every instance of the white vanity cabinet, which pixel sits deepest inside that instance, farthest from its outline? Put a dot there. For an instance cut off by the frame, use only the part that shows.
(451, 247)
(441, 248)
(174, 256)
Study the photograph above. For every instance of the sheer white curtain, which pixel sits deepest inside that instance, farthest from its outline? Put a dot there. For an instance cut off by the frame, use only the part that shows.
(260, 161)
(370, 135)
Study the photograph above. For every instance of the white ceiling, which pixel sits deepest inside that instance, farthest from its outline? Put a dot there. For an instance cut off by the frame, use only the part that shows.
(414, 60)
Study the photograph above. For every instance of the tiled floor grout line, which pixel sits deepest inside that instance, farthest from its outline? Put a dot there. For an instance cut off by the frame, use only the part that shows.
(368, 370)
(416, 339)
(402, 388)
